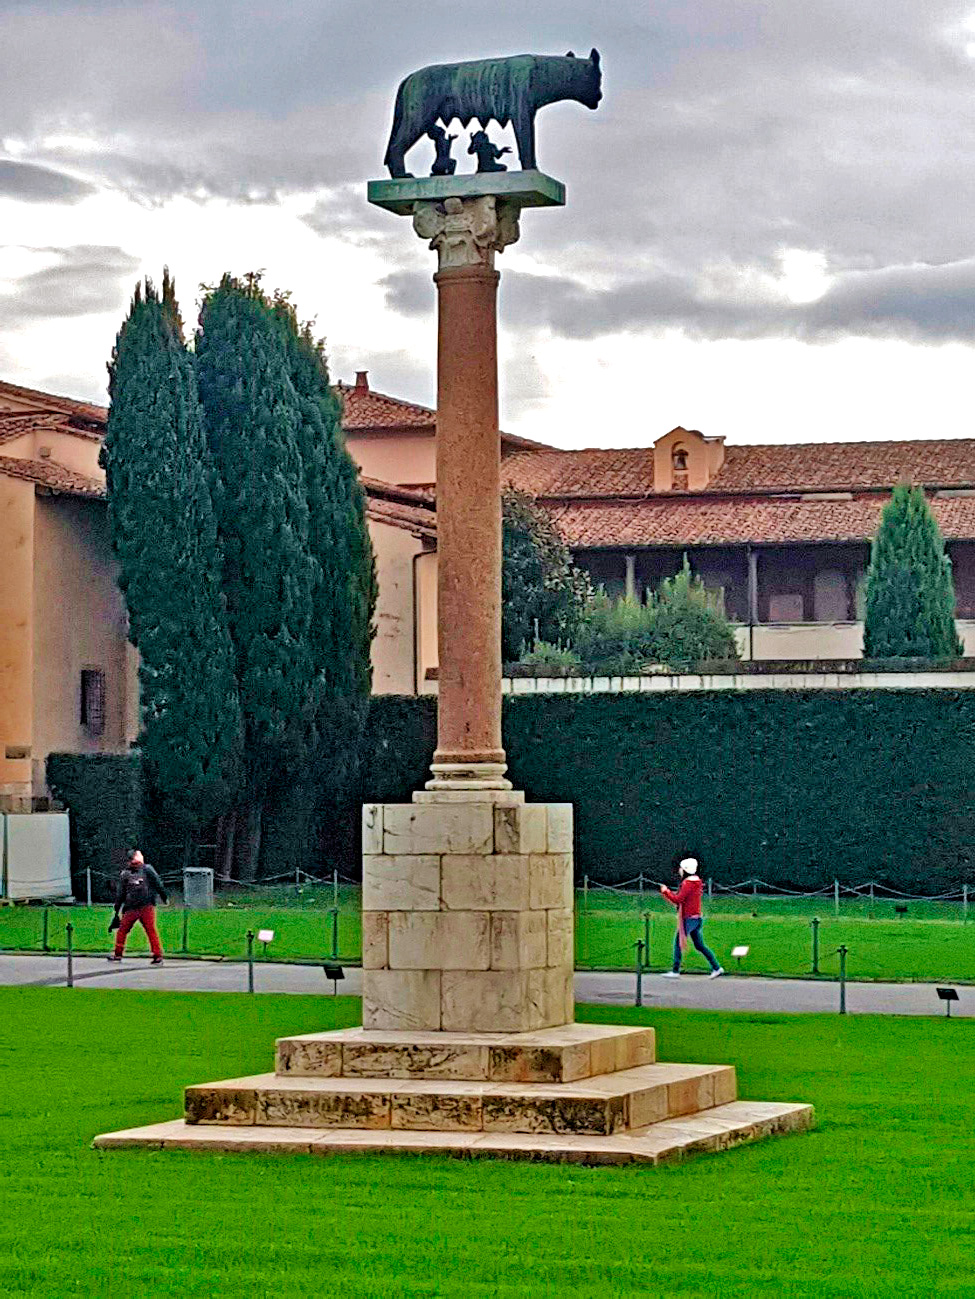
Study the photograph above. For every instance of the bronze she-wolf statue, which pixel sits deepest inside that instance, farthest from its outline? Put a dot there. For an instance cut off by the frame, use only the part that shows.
(509, 90)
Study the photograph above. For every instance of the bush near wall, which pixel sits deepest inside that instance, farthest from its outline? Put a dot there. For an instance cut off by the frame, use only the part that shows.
(794, 787)
(103, 793)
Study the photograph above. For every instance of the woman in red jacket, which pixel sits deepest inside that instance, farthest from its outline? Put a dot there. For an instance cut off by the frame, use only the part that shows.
(690, 922)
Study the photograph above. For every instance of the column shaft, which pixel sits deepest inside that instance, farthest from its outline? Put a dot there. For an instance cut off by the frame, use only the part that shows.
(468, 518)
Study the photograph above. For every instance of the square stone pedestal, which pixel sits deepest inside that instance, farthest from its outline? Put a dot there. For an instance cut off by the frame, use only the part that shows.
(467, 919)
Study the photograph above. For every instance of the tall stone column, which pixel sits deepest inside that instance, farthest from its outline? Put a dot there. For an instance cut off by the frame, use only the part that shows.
(467, 891)
(466, 234)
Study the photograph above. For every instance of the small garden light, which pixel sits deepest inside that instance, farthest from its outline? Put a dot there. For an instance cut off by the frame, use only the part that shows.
(265, 936)
(738, 953)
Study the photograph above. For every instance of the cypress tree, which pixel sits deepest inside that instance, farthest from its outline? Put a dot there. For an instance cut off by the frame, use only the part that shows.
(253, 422)
(343, 599)
(164, 536)
(910, 592)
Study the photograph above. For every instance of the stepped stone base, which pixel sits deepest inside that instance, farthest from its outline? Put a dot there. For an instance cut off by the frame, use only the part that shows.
(582, 1092)
(719, 1129)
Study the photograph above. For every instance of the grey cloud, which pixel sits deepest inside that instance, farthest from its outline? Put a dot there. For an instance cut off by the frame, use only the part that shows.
(31, 184)
(920, 303)
(730, 129)
(88, 279)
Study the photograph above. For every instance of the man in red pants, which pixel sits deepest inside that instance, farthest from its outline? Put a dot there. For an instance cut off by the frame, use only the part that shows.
(138, 888)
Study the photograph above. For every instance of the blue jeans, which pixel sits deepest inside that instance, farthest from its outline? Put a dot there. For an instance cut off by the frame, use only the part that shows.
(693, 927)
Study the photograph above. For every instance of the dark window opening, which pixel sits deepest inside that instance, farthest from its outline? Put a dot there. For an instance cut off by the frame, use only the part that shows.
(93, 700)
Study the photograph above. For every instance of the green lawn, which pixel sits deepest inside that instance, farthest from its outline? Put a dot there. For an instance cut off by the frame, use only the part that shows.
(929, 943)
(876, 1201)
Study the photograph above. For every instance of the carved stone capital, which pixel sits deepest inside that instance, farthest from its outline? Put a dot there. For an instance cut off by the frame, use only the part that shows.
(467, 231)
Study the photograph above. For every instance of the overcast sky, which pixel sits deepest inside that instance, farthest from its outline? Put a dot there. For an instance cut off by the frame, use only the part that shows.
(770, 228)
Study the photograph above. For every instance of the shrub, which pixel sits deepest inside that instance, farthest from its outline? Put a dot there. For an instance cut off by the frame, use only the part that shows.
(616, 636)
(546, 655)
(688, 624)
(795, 787)
(103, 793)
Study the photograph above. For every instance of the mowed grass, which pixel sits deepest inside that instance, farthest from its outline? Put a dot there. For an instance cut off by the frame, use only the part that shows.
(876, 1201)
(930, 943)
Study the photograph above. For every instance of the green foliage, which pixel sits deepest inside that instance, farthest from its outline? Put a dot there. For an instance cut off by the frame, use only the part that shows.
(688, 625)
(103, 793)
(679, 626)
(616, 635)
(543, 595)
(164, 536)
(397, 748)
(253, 423)
(910, 593)
(795, 787)
(545, 654)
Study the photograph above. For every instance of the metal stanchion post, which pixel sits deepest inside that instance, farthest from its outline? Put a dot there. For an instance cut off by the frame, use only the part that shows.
(297, 881)
(754, 887)
(836, 897)
(250, 960)
(646, 939)
(68, 935)
(88, 886)
(335, 886)
(964, 904)
(815, 942)
(186, 930)
(44, 943)
(641, 890)
(710, 888)
(842, 951)
(639, 972)
(335, 932)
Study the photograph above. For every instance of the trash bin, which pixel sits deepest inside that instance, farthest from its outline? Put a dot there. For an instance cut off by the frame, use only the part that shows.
(198, 888)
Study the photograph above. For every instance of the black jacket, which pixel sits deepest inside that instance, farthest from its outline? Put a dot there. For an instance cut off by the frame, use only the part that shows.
(138, 887)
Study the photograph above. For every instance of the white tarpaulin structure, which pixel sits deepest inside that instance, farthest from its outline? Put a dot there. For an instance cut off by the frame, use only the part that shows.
(35, 855)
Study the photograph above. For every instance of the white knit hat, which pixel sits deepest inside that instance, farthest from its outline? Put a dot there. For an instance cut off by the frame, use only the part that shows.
(689, 866)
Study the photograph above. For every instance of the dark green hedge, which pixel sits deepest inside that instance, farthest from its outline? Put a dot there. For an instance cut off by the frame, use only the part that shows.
(103, 793)
(794, 787)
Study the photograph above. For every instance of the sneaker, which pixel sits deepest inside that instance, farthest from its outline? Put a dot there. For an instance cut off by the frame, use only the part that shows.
(113, 958)
(670, 974)
(156, 960)
(715, 973)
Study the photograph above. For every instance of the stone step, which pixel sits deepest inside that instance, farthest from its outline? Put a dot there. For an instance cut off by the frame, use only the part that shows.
(603, 1104)
(717, 1128)
(557, 1055)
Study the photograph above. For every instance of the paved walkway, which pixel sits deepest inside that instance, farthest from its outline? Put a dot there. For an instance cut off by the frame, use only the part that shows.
(694, 992)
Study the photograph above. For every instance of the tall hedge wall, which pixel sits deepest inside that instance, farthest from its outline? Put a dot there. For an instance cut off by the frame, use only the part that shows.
(103, 793)
(795, 787)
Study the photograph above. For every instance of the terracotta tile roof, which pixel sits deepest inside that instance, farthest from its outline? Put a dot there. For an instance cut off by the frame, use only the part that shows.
(16, 424)
(368, 411)
(81, 410)
(819, 466)
(710, 521)
(421, 522)
(400, 507)
(45, 473)
(364, 410)
(593, 472)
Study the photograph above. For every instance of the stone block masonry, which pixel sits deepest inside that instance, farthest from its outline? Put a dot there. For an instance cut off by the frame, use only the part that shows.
(467, 914)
